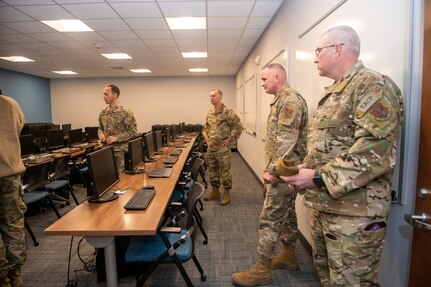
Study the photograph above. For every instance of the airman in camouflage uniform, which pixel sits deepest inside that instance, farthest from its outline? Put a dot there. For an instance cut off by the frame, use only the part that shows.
(285, 139)
(222, 129)
(117, 125)
(12, 208)
(351, 155)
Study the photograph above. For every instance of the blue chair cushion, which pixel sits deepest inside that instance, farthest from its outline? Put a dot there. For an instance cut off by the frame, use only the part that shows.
(34, 196)
(56, 184)
(149, 248)
(177, 194)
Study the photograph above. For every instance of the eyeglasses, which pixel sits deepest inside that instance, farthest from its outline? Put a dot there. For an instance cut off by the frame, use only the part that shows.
(318, 50)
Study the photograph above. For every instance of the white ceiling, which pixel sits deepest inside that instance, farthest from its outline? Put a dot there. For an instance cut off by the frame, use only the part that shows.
(135, 27)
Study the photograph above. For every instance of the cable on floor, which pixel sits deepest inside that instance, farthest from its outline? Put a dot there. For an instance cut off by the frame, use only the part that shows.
(73, 282)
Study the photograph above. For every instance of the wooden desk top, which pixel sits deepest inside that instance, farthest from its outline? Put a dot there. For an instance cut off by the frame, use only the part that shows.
(111, 219)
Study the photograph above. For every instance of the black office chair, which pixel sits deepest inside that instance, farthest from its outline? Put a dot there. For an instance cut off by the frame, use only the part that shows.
(169, 245)
(34, 180)
(79, 168)
(59, 179)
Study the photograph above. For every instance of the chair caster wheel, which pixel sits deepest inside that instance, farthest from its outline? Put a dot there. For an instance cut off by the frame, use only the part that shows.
(205, 242)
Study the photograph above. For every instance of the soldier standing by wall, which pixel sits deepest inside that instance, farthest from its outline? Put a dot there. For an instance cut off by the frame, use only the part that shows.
(117, 125)
(222, 129)
(351, 155)
(285, 142)
(12, 208)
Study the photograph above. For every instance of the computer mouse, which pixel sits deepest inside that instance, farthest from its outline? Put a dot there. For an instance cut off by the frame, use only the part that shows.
(148, 187)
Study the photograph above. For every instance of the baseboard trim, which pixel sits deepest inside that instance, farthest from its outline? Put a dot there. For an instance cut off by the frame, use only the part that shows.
(301, 237)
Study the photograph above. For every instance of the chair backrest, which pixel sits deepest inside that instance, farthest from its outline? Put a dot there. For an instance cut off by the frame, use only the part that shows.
(36, 176)
(59, 167)
(196, 165)
(193, 197)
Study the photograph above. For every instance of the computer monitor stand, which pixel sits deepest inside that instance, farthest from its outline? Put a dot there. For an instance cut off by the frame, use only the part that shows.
(108, 196)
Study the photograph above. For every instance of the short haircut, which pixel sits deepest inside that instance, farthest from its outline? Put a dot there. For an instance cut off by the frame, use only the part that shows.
(345, 35)
(218, 91)
(115, 89)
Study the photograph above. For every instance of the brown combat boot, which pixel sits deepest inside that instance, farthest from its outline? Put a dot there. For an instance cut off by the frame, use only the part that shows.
(286, 259)
(15, 278)
(214, 194)
(259, 274)
(226, 197)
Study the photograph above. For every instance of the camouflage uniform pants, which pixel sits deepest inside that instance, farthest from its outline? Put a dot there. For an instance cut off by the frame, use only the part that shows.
(119, 160)
(277, 219)
(345, 252)
(219, 164)
(12, 240)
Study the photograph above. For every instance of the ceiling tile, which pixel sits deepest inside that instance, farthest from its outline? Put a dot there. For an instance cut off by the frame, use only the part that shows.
(137, 10)
(265, 8)
(10, 14)
(46, 12)
(119, 35)
(226, 22)
(107, 24)
(147, 24)
(183, 9)
(91, 11)
(230, 8)
(29, 27)
(154, 34)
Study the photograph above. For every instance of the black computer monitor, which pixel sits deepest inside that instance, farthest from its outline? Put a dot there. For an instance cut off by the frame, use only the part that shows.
(103, 173)
(149, 146)
(54, 139)
(66, 128)
(75, 136)
(27, 145)
(174, 132)
(166, 136)
(38, 130)
(182, 127)
(133, 157)
(158, 141)
(55, 127)
(92, 133)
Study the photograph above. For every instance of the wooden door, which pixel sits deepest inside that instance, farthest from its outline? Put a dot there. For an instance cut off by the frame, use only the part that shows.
(421, 247)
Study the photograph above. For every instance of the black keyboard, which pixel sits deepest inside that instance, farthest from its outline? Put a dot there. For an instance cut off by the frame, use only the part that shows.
(170, 160)
(161, 171)
(176, 152)
(140, 200)
(181, 145)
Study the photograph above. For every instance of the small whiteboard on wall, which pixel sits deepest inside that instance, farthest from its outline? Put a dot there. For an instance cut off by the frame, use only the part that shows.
(377, 53)
(250, 105)
(282, 58)
(240, 102)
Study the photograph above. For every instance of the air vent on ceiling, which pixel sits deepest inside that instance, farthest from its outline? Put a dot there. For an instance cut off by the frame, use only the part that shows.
(116, 68)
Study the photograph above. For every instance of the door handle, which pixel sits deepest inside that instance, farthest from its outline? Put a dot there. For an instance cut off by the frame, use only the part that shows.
(418, 220)
(423, 192)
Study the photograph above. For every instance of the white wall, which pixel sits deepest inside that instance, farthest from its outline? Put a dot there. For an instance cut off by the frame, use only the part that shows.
(153, 100)
(291, 20)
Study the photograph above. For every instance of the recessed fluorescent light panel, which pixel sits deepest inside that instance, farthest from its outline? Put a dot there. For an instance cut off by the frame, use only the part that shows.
(140, 70)
(186, 23)
(17, 59)
(198, 70)
(194, 54)
(65, 72)
(67, 25)
(116, 56)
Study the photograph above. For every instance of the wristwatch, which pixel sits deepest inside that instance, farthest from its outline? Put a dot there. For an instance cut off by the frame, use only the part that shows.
(317, 179)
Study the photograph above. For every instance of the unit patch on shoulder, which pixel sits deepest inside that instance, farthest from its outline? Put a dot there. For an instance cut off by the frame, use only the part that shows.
(379, 111)
(288, 113)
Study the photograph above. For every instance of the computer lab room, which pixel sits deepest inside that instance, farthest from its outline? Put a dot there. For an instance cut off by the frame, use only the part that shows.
(75, 236)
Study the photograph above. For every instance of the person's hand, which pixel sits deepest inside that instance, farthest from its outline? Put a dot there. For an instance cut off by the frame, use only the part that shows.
(302, 180)
(102, 138)
(111, 140)
(225, 143)
(268, 178)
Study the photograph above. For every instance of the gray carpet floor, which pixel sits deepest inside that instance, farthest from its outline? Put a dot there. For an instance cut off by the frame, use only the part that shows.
(233, 239)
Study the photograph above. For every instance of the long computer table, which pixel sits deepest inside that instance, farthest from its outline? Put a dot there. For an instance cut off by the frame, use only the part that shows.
(99, 223)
